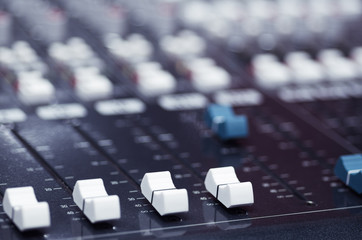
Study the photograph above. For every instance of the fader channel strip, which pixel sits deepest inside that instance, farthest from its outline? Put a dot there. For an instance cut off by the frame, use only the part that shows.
(95, 111)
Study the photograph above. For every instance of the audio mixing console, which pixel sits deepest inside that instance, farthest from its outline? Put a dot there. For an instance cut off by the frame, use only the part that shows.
(180, 119)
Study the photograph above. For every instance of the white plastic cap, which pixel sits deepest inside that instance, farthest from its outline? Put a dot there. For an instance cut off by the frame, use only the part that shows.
(99, 87)
(21, 205)
(224, 185)
(156, 181)
(209, 79)
(160, 191)
(35, 90)
(91, 197)
(337, 66)
(304, 69)
(272, 74)
(154, 82)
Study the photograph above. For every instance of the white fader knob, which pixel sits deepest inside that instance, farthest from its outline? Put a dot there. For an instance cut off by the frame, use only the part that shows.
(224, 185)
(160, 191)
(91, 197)
(22, 207)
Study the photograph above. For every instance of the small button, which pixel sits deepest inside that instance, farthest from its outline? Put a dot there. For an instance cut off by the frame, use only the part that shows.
(304, 69)
(269, 72)
(206, 76)
(185, 45)
(95, 88)
(338, 67)
(159, 190)
(34, 89)
(349, 170)
(22, 207)
(222, 120)
(210, 79)
(90, 84)
(153, 80)
(224, 185)
(133, 50)
(91, 197)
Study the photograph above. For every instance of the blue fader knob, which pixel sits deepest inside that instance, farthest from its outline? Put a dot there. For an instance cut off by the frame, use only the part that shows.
(349, 170)
(223, 121)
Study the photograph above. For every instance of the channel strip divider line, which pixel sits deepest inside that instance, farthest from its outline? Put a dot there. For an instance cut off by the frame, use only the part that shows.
(173, 155)
(41, 161)
(77, 127)
(282, 182)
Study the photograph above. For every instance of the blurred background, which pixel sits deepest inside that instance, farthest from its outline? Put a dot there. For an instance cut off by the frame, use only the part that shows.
(114, 89)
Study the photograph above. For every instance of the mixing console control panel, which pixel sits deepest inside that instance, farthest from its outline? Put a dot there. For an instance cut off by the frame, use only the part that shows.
(218, 119)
